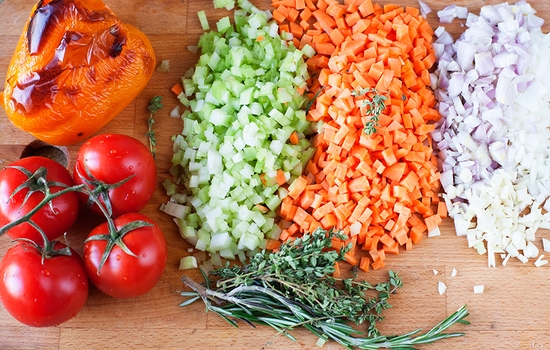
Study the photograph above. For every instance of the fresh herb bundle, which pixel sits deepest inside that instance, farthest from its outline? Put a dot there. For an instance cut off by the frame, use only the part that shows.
(294, 287)
(375, 105)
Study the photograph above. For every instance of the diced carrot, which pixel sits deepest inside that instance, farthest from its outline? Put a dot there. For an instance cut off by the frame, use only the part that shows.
(336, 273)
(328, 221)
(284, 235)
(416, 235)
(351, 259)
(177, 89)
(278, 16)
(280, 177)
(284, 27)
(301, 217)
(364, 263)
(296, 30)
(310, 5)
(323, 210)
(272, 244)
(392, 248)
(293, 138)
(442, 209)
(300, 4)
(386, 240)
(325, 48)
(297, 186)
(432, 222)
(395, 171)
(307, 198)
(326, 20)
(336, 37)
(377, 265)
(292, 15)
(371, 243)
(366, 8)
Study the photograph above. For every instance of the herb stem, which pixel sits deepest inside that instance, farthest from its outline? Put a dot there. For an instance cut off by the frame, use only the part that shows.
(154, 105)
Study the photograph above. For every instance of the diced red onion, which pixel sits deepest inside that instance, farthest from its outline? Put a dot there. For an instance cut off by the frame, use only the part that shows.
(424, 8)
(493, 140)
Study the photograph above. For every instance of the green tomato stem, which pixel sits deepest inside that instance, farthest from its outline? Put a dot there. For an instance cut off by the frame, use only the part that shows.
(45, 201)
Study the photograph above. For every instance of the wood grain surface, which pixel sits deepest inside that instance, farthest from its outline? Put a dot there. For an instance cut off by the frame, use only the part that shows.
(512, 313)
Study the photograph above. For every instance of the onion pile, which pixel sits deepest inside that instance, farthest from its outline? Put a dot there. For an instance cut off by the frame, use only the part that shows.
(493, 142)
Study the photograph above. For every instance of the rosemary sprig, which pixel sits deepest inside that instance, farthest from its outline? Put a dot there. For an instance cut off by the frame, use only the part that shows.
(375, 105)
(294, 287)
(154, 105)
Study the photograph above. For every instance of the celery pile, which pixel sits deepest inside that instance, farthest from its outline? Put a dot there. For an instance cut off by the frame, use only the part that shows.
(245, 97)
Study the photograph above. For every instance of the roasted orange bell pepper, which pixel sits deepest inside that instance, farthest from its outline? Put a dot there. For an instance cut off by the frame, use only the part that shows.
(76, 67)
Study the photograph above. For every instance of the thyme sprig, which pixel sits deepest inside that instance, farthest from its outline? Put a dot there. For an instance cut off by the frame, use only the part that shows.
(375, 103)
(154, 105)
(294, 287)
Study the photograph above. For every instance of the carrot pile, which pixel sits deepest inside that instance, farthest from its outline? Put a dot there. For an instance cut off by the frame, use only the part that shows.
(380, 189)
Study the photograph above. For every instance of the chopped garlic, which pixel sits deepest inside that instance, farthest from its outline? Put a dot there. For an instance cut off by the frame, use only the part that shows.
(546, 245)
(539, 262)
(435, 271)
(453, 272)
(505, 260)
(530, 250)
(479, 289)
(441, 287)
(320, 342)
(522, 258)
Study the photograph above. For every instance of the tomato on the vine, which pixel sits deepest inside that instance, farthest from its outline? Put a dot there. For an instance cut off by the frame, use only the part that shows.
(42, 295)
(119, 169)
(130, 273)
(23, 186)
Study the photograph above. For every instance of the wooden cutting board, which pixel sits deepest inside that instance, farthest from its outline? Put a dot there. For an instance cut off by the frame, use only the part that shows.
(512, 313)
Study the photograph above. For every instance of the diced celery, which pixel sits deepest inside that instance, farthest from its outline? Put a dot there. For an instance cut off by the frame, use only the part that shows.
(275, 232)
(308, 51)
(203, 20)
(220, 241)
(223, 24)
(188, 262)
(279, 117)
(188, 231)
(227, 254)
(248, 241)
(176, 210)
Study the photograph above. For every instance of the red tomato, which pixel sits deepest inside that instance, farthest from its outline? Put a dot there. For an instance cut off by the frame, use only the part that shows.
(54, 219)
(42, 295)
(124, 275)
(111, 158)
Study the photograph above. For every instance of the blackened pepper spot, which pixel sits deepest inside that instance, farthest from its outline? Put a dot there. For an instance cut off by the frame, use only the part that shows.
(119, 41)
(40, 25)
(31, 94)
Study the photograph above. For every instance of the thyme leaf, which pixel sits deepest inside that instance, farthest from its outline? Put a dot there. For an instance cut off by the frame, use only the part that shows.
(375, 104)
